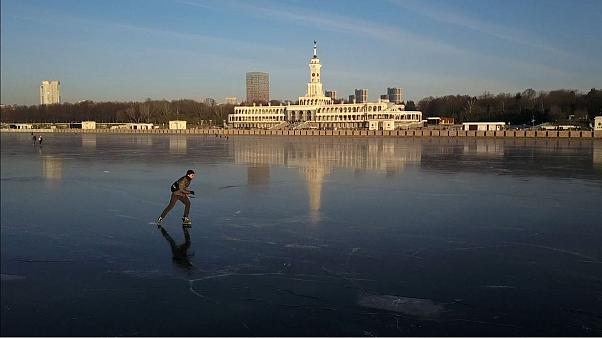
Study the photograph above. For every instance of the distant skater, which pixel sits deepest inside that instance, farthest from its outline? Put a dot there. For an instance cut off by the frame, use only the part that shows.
(40, 139)
(180, 193)
(33, 139)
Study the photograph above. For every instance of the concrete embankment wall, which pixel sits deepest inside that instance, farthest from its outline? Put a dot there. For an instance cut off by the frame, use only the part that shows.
(353, 133)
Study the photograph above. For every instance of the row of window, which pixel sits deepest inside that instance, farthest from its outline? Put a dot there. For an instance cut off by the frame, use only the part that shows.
(259, 111)
(327, 118)
(349, 109)
(313, 102)
(234, 118)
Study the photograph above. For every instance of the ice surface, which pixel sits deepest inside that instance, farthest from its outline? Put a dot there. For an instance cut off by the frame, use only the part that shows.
(406, 305)
(437, 236)
(8, 277)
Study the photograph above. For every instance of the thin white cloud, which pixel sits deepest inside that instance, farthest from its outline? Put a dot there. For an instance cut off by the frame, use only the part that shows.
(208, 40)
(451, 16)
(195, 4)
(45, 16)
(388, 34)
(330, 21)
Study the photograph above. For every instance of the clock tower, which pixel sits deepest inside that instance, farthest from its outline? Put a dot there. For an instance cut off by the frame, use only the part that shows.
(314, 87)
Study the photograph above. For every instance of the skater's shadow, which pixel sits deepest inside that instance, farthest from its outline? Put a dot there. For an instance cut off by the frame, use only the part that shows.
(179, 252)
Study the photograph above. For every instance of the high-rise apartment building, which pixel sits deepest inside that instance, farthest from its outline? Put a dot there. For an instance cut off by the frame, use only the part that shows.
(361, 95)
(394, 95)
(331, 94)
(258, 87)
(50, 92)
(351, 99)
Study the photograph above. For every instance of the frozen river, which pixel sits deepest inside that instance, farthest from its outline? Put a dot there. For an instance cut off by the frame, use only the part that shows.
(301, 236)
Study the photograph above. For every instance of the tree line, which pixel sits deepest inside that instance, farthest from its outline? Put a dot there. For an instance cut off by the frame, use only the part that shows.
(558, 106)
(149, 111)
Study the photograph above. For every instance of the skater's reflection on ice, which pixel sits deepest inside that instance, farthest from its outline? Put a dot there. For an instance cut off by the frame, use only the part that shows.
(179, 252)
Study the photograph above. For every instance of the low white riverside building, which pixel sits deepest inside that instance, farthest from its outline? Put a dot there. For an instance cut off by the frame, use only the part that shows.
(177, 124)
(20, 126)
(381, 125)
(134, 126)
(484, 126)
(551, 126)
(315, 110)
(139, 125)
(598, 123)
(88, 124)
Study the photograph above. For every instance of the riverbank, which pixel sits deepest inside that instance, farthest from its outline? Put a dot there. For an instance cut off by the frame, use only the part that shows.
(342, 133)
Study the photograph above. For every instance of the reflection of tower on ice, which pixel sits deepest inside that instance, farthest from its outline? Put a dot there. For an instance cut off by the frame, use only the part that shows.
(178, 145)
(89, 141)
(314, 177)
(143, 140)
(52, 169)
(597, 155)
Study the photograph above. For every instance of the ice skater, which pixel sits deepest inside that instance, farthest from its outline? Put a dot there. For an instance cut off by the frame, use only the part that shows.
(179, 192)
(40, 139)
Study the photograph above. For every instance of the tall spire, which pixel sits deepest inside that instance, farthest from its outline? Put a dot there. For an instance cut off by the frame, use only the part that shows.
(314, 87)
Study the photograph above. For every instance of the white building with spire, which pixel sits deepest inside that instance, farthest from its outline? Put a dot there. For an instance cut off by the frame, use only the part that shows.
(315, 110)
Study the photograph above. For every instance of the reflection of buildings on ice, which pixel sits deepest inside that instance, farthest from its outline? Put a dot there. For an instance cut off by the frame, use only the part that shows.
(89, 141)
(384, 155)
(52, 168)
(315, 110)
(259, 156)
(597, 154)
(481, 147)
(258, 151)
(178, 145)
(381, 155)
(318, 159)
(463, 154)
(258, 175)
(143, 140)
(515, 156)
(391, 157)
(488, 147)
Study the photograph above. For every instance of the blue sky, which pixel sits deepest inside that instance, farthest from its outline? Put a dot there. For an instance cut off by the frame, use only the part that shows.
(131, 50)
